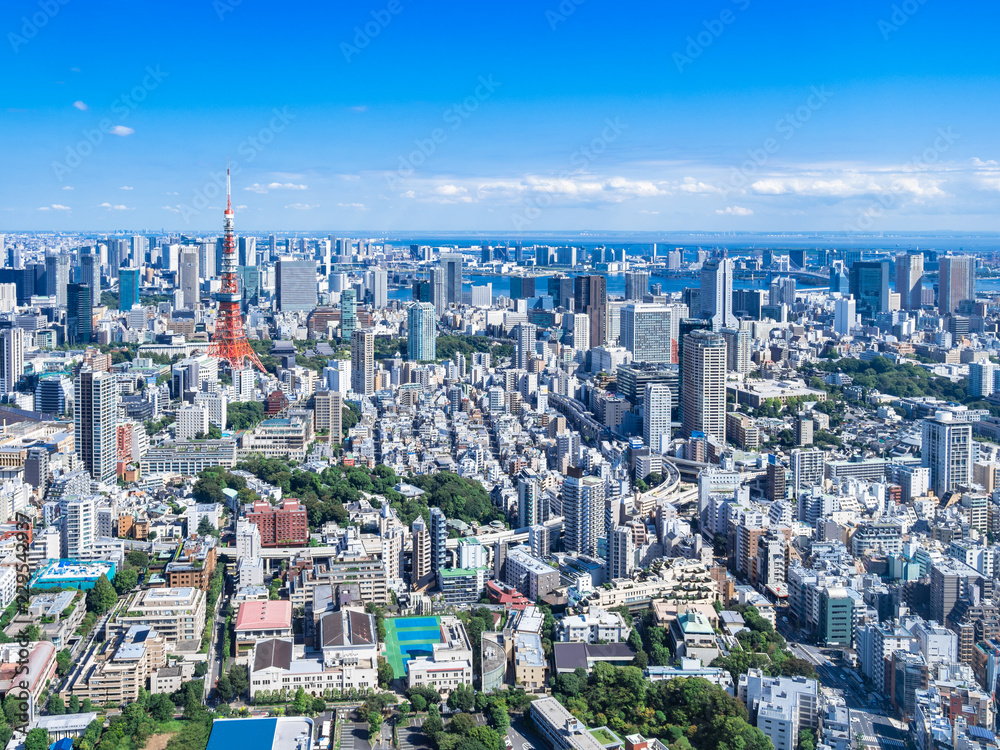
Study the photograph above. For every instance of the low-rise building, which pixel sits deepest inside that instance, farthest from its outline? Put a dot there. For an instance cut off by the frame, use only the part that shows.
(258, 620)
(178, 614)
(592, 626)
(119, 668)
(450, 662)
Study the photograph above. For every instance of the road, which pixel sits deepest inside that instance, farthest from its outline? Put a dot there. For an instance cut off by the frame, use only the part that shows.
(215, 648)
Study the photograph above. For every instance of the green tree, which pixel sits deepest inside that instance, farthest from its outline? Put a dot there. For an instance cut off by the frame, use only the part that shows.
(161, 707)
(64, 662)
(385, 673)
(205, 527)
(419, 703)
(74, 704)
(137, 558)
(37, 739)
(301, 702)
(224, 688)
(126, 580)
(462, 698)
(56, 706)
(807, 739)
(102, 597)
(239, 677)
(374, 726)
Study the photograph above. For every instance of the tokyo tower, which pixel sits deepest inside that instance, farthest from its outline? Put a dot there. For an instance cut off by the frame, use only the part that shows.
(230, 341)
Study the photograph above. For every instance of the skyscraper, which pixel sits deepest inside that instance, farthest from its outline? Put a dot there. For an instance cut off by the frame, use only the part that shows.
(439, 292)
(210, 259)
(128, 288)
(439, 540)
(621, 552)
(737, 349)
(379, 288)
(90, 271)
(524, 334)
(57, 277)
(645, 331)
(583, 512)
(703, 385)
(421, 343)
(946, 448)
(590, 296)
(79, 314)
(363, 362)
(95, 416)
(636, 285)
(531, 504)
(869, 285)
(79, 529)
(717, 292)
(452, 265)
(845, 316)
(11, 358)
(348, 313)
(956, 281)
(909, 279)
(295, 281)
(656, 408)
(187, 278)
(421, 557)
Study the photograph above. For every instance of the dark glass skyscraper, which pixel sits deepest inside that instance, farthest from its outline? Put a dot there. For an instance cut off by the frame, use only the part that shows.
(869, 284)
(128, 288)
(79, 314)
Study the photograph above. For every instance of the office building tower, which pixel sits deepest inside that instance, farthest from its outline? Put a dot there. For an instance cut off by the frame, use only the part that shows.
(79, 527)
(421, 557)
(139, 248)
(187, 278)
(845, 316)
(956, 281)
(328, 412)
(839, 282)
(583, 512)
(421, 343)
(657, 404)
(439, 290)
(737, 349)
(645, 331)
(621, 553)
(909, 280)
(379, 288)
(561, 290)
(532, 507)
(348, 313)
(243, 383)
(807, 469)
(524, 335)
(192, 422)
(11, 358)
(295, 282)
(590, 297)
(581, 330)
(717, 292)
(36, 467)
(363, 362)
(636, 285)
(95, 412)
(90, 271)
(451, 263)
(946, 449)
(438, 541)
(128, 288)
(247, 252)
(79, 314)
(782, 292)
(703, 385)
(57, 277)
(210, 259)
(522, 287)
(981, 376)
(869, 285)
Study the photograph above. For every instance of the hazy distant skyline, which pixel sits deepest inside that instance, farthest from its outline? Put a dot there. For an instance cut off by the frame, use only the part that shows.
(730, 116)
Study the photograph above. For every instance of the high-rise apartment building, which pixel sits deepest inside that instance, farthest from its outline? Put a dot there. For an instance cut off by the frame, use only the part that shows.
(79, 314)
(79, 527)
(956, 281)
(348, 313)
(421, 557)
(590, 296)
(439, 290)
(737, 349)
(636, 285)
(621, 552)
(328, 412)
(363, 362)
(11, 358)
(128, 288)
(379, 288)
(645, 331)
(717, 292)
(421, 334)
(909, 280)
(656, 408)
(583, 512)
(531, 505)
(438, 540)
(187, 278)
(703, 385)
(845, 316)
(946, 448)
(451, 263)
(96, 423)
(295, 282)
(524, 335)
(57, 277)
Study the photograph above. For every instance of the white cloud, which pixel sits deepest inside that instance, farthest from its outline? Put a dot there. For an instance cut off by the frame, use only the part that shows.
(55, 207)
(300, 206)
(355, 206)
(360, 108)
(68, 187)
(111, 207)
(126, 187)
(121, 130)
(81, 106)
(696, 187)
(735, 211)
(259, 188)
(172, 209)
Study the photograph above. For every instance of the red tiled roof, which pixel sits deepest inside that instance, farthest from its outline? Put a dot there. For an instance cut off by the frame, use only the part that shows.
(264, 615)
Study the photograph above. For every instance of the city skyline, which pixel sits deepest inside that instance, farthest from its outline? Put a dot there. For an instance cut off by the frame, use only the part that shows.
(866, 118)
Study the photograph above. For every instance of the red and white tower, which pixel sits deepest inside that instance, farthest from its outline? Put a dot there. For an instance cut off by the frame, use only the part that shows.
(230, 341)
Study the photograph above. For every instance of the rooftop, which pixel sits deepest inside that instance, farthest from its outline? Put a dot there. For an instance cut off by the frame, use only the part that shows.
(264, 615)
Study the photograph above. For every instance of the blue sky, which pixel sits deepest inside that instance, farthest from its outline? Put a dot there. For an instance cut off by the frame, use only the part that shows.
(512, 117)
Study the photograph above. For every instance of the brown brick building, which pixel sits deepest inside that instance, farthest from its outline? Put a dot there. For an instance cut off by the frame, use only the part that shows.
(285, 526)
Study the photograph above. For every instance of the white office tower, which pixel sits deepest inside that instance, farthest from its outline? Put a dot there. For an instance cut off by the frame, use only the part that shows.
(206, 260)
(216, 405)
(79, 529)
(636, 285)
(807, 469)
(657, 404)
(645, 331)
(11, 358)
(497, 400)
(187, 279)
(542, 399)
(95, 411)
(621, 553)
(845, 316)
(337, 375)
(460, 364)
(737, 349)
(717, 292)
(243, 382)
(421, 333)
(338, 282)
(248, 541)
(525, 334)
(363, 362)
(583, 513)
(380, 288)
(581, 331)
(703, 385)
(981, 376)
(909, 280)
(191, 420)
(946, 449)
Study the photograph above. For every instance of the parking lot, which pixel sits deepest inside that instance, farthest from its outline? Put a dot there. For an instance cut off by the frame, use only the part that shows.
(411, 736)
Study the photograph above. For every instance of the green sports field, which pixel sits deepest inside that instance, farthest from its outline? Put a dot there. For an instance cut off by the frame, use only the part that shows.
(408, 637)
